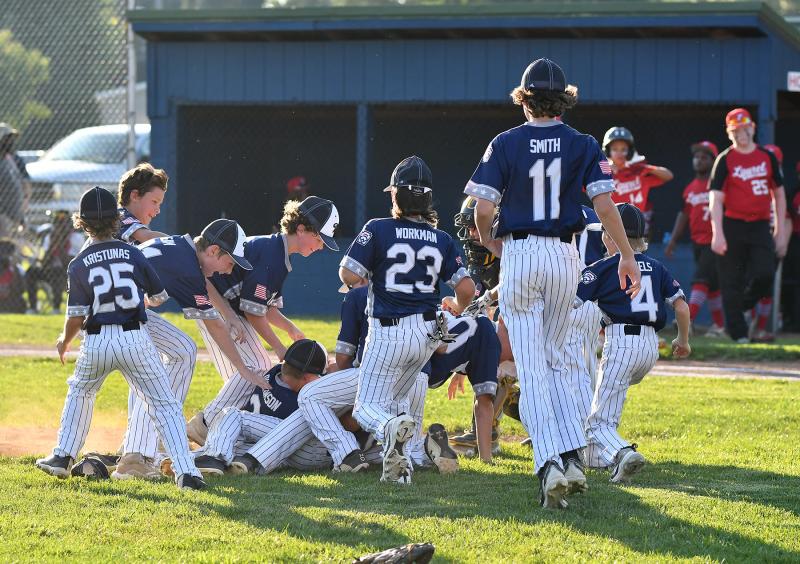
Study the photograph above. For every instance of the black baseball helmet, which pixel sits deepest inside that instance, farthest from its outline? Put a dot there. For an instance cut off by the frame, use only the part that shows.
(618, 133)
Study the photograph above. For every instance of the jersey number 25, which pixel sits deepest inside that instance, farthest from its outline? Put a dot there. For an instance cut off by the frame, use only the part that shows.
(410, 258)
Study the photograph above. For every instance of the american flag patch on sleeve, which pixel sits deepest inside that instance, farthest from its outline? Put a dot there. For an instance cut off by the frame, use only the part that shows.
(202, 300)
(128, 220)
(261, 292)
(605, 166)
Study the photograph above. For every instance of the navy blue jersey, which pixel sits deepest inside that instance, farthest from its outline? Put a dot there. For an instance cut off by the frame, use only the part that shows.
(353, 330)
(107, 282)
(255, 291)
(475, 352)
(537, 173)
(600, 283)
(404, 261)
(280, 401)
(590, 243)
(128, 225)
(175, 261)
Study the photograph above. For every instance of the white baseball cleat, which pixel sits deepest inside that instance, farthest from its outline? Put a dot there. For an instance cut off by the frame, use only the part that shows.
(133, 466)
(573, 472)
(553, 486)
(396, 469)
(627, 463)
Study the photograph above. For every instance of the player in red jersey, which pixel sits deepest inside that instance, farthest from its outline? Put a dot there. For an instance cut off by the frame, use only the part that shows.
(633, 177)
(696, 214)
(746, 182)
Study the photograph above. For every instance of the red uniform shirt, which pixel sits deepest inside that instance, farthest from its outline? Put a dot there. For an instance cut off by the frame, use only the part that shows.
(747, 180)
(632, 185)
(695, 207)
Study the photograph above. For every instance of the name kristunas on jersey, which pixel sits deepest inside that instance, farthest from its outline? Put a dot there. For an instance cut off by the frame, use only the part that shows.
(106, 254)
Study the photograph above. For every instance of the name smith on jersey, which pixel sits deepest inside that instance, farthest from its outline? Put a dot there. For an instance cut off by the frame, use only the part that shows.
(546, 145)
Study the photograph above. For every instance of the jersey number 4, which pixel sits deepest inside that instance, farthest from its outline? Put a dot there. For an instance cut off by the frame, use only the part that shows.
(410, 258)
(540, 177)
(103, 279)
(644, 300)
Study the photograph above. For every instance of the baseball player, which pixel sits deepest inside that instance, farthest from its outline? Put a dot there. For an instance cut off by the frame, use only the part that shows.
(761, 313)
(633, 177)
(745, 184)
(269, 427)
(536, 173)
(140, 195)
(697, 216)
(183, 265)
(404, 257)
(256, 297)
(107, 283)
(631, 347)
(472, 353)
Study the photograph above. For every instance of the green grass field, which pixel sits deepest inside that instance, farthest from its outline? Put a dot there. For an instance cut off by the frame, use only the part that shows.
(42, 330)
(723, 484)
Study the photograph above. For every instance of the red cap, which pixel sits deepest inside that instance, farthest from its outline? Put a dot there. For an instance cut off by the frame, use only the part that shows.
(737, 117)
(295, 184)
(775, 150)
(705, 146)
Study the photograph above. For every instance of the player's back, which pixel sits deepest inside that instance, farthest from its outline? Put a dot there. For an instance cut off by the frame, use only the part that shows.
(545, 172)
(475, 338)
(408, 265)
(113, 277)
(590, 241)
(279, 401)
(600, 283)
(173, 257)
(354, 323)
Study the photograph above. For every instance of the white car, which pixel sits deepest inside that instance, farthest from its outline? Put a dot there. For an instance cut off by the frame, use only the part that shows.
(92, 156)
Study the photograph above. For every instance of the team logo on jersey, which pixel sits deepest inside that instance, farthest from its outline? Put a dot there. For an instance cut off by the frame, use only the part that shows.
(459, 262)
(588, 277)
(488, 154)
(363, 238)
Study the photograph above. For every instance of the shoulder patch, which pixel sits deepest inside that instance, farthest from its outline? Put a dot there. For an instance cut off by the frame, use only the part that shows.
(588, 277)
(363, 238)
(676, 284)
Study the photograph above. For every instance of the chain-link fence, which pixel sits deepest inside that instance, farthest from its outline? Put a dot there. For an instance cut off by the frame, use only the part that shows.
(63, 78)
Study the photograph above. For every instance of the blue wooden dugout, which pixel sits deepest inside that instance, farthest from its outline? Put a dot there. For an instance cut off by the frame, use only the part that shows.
(381, 83)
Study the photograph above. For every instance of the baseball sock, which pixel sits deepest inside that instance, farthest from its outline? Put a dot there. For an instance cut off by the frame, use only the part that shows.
(763, 308)
(697, 299)
(715, 305)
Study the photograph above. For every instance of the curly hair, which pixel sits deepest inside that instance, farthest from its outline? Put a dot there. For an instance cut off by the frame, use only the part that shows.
(97, 228)
(143, 178)
(545, 103)
(293, 217)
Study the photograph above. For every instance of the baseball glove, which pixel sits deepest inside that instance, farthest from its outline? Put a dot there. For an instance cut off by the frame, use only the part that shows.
(90, 467)
(511, 405)
(417, 552)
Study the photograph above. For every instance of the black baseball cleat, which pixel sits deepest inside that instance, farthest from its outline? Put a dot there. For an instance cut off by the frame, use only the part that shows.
(210, 465)
(353, 462)
(437, 447)
(55, 465)
(189, 482)
(245, 464)
(110, 461)
(627, 463)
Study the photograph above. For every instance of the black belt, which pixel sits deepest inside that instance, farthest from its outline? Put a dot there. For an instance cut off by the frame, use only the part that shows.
(520, 235)
(391, 321)
(632, 329)
(127, 326)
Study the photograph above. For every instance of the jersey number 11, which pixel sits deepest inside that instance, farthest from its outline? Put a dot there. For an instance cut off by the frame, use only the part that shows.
(553, 173)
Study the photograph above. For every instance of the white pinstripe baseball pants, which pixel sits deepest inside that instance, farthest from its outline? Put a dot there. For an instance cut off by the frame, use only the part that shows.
(235, 389)
(416, 409)
(626, 360)
(538, 280)
(393, 356)
(133, 354)
(178, 355)
(274, 442)
(580, 354)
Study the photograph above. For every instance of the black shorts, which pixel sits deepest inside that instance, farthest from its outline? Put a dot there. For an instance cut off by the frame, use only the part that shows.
(705, 267)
